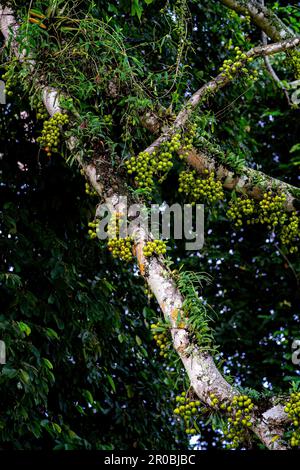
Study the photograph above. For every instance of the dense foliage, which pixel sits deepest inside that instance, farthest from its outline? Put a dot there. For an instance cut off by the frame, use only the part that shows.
(83, 369)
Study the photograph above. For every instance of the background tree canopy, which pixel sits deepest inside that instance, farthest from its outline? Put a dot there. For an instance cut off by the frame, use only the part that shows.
(84, 368)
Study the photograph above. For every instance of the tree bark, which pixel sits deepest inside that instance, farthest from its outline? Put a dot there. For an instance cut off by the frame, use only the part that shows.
(204, 376)
(263, 17)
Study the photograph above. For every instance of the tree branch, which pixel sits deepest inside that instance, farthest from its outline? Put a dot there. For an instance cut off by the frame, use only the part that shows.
(216, 84)
(204, 376)
(269, 67)
(263, 17)
(247, 181)
(220, 81)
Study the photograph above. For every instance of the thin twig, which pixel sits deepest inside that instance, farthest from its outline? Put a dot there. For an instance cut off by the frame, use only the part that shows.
(269, 66)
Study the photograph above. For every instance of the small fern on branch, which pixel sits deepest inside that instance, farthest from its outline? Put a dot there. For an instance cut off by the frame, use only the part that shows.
(195, 309)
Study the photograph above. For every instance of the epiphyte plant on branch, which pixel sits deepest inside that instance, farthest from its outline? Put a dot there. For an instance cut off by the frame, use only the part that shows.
(126, 89)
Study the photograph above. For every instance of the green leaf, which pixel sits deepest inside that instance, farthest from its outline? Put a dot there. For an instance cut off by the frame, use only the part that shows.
(56, 427)
(295, 148)
(144, 351)
(138, 340)
(24, 376)
(136, 8)
(290, 378)
(88, 396)
(11, 280)
(24, 328)
(120, 338)
(51, 334)
(47, 363)
(9, 372)
(51, 299)
(112, 8)
(130, 392)
(111, 381)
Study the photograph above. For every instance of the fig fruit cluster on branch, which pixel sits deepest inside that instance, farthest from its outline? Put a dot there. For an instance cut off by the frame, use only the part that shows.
(205, 378)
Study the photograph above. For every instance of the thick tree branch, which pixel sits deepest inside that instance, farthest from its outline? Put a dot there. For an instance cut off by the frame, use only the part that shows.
(263, 17)
(246, 182)
(204, 376)
(216, 84)
(220, 81)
